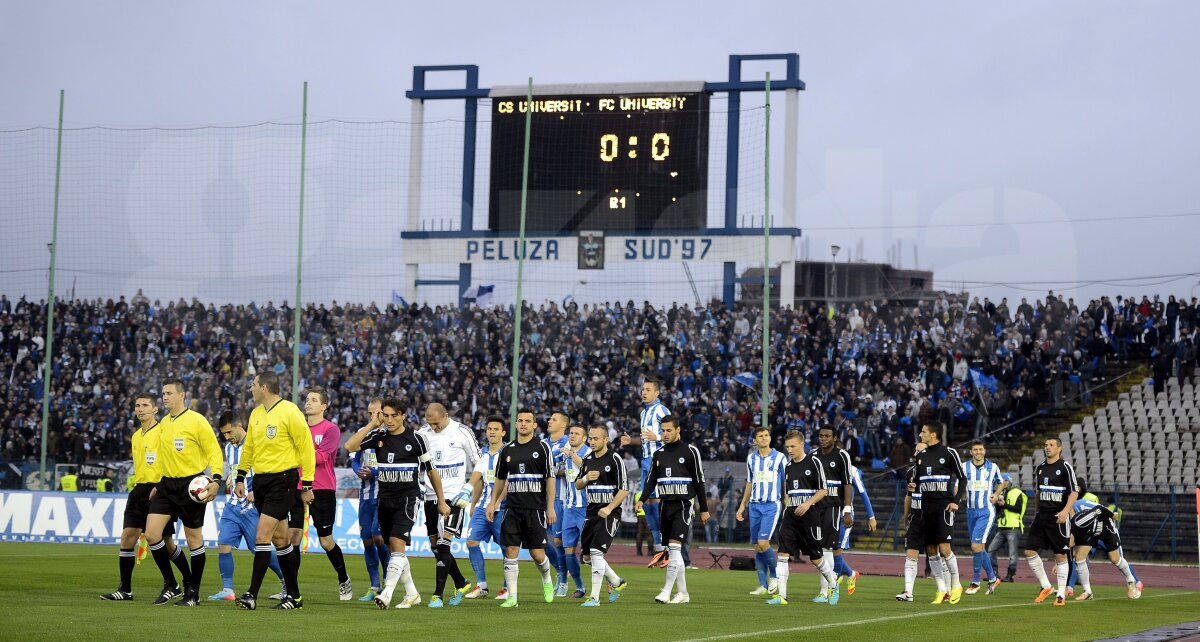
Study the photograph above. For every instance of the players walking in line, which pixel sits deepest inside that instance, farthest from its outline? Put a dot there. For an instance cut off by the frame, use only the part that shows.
(650, 438)
(403, 456)
(837, 507)
(939, 475)
(764, 478)
(804, 486)
(239, 518)
(556, 436)
(187, 446)
(375, 550)
(841, 568)
(603, 479)
(137, 506)
(677, 480)
(279, 449)
(483, 529)
(1056, 490)
(575, 504)
(985, 485)
(914, 529)
(1095, 525)
(455, 453)
(327, 438)
(524, 479)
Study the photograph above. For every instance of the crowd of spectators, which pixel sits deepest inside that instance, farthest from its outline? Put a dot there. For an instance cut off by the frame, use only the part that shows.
(870, 369)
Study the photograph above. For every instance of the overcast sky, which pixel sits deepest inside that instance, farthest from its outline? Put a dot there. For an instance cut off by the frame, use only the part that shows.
(919, 117)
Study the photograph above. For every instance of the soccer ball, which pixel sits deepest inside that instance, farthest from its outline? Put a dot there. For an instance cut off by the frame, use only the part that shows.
(198, 488)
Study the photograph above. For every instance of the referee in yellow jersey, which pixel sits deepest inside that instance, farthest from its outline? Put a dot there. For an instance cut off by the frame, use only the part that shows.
(278, 441)
(187, 446)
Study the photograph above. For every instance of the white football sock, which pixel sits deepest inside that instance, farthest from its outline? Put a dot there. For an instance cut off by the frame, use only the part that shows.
(1039, 571)
(782, 570)
(951, 563)
(938, 570)
(510, 577)
(1085, 575)
(1062, 571)
(910, 573)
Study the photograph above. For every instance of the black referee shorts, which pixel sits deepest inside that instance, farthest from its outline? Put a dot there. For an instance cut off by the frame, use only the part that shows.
(137, 508)
(1047, 534)
(323, 511)
(274, 493)
(172, 499)
(523, 527)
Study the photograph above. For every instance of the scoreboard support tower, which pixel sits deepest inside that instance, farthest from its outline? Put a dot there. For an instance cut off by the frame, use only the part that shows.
(726, 244)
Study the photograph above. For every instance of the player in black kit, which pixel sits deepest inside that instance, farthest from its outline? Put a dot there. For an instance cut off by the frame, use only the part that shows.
(940, 479)
(804, 486)
(403, 456)
(1056, 490)
(836, 464)
(525, 477)
(603, 476)
(677, 479)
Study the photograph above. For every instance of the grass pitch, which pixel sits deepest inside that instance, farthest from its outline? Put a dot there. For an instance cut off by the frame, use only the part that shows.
(51, 592)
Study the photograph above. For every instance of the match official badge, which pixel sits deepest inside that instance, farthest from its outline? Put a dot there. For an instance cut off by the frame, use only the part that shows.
(179, 444)
(272, 430)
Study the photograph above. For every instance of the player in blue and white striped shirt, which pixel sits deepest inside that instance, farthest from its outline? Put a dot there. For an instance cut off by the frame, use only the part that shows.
(984, 487)
(556, 438)
(375, 550)
(483, 479)
(764, 484)
(574, 503)
(239, 517)
(650, 438)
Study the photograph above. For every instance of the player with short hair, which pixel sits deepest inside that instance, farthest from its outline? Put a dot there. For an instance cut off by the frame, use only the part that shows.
(939, 475)
(144, 448)
(239, 518)
(327, 439)
(837, 507)
(483, 482)
(764, 477)
(575, 503)
(650, 438)
(1055, 491)
(454, 451)
(557, 437)
(985, 485)
(914, 535)
(279, 449)
(802, 489)
(524, 479)
(403, 456)
(604, 481)
(363, 463)
(1093, 524)
(677, 480)
(187, 446)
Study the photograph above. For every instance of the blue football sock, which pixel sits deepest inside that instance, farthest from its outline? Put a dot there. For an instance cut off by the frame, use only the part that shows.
(976, 567)
(839, 566)
(371, 556)
(274, 564)
(225, 564)
(385, 554)
(771, 561)
(574, 571)
(475, 553)
(552, 553)
(987, 565)
(560, 565)
(760, 565)
(846, 570)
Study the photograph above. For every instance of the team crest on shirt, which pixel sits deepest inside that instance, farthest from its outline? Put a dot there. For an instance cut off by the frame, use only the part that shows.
(391, 457)
(272, 430)
(317, 439)
(179, 444)
(668, 471)
(437, 455)
(929, 470)
(521, 467)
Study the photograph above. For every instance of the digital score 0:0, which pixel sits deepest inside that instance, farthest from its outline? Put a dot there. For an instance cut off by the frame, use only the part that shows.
(603, 162)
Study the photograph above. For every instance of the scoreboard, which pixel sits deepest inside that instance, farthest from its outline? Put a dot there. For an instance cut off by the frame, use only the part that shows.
(601, 161)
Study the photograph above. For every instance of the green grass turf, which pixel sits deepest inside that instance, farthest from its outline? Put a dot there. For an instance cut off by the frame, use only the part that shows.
(51, 592)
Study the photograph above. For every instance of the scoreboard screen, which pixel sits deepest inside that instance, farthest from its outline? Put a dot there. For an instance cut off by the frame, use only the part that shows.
(601, 162)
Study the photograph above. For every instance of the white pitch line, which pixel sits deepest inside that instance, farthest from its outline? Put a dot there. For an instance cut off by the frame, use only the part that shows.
(890, 618)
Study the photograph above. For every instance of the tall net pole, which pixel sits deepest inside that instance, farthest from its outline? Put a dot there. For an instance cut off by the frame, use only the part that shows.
(47, 365)
(520, 302)
(766, 324)
(299, 251)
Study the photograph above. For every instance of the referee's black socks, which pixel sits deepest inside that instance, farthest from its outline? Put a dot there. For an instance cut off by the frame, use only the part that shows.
(338, 561)
(198, 559)
(262, 559)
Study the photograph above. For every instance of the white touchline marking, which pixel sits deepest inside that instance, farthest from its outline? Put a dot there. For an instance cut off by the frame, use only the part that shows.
(911, 616)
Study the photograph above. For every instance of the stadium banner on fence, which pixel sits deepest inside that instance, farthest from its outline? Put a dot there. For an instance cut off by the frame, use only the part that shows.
(95, 518)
